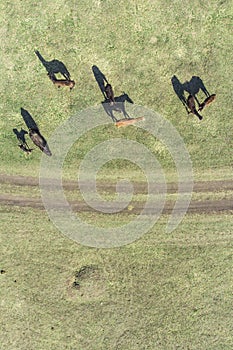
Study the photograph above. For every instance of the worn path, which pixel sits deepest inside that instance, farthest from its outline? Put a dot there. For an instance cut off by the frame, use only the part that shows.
(200, 206)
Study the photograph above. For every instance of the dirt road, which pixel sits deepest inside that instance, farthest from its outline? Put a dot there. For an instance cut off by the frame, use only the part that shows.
(200, 206)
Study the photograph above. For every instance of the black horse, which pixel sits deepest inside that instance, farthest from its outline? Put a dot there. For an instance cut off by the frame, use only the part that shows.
(193, 86)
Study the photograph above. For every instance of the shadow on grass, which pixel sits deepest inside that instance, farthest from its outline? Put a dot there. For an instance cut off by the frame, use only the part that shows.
(118, 106)
(34, 132)
(54, 67)
(22, 141)
(192, 87)
(20, 135)
(111, 103)
(100, 79)
(179, 90)
(29, 121)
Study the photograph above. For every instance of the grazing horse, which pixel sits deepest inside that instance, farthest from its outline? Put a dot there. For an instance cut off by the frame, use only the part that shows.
(62, 82)
(118, 106)
(39, 141)
(109, 93)
(191, 105)
(54, 66)
(207, 101)
(34, 132)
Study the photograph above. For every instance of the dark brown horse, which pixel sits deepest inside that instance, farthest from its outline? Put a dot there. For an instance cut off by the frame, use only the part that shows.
(109, 93)
(39, 141)
(191, 105)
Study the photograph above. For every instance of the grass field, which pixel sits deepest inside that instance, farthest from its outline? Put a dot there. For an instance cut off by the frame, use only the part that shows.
(139, 46)
(164, 291)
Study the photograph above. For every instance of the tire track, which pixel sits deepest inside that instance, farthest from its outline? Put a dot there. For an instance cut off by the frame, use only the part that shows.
(196, 206)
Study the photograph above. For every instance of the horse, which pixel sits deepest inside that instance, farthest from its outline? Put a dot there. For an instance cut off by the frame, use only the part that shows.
(109, 93)
(191, 105)
(39, 141)
(207, 101)
(61, 82)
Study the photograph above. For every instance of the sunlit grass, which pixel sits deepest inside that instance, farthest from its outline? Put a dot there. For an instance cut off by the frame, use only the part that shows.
(124, 41)
(183, 276)
(164, 291)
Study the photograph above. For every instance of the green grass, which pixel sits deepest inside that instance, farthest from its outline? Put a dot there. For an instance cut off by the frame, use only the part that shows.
(163, 291)
(139, 47)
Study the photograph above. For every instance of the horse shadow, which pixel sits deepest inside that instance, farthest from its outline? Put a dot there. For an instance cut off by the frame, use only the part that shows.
(192, 87)
(20, 135)
(118, 106)
(29, 121)
(54, 67)
(100, 79)
(179, 90)
(113, 104)
(34, 132)
(22, 141)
